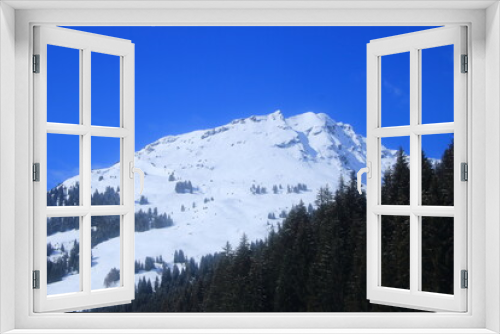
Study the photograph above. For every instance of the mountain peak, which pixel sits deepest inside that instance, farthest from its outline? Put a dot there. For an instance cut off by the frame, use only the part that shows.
(310, 120)
(276, 115)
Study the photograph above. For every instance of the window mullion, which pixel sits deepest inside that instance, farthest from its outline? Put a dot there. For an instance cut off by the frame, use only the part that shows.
(414, 170)
(86, 170)
(419, 129)
(66, 129)
(96, 210)
(83, 265)
(85, 152)
(85, 275)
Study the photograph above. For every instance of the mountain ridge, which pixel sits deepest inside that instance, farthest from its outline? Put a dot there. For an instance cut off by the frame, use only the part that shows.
(226, 165)
(220, 183)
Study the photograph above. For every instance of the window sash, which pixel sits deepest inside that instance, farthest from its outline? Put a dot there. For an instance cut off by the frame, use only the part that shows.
(414, 297)
(86, 43)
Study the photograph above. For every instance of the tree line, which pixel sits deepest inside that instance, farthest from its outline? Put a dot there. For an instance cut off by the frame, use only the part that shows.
(67, 263)
(108, 225)
(103, 227)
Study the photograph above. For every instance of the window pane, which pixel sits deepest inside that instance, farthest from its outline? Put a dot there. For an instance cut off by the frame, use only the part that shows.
(63, 169)
(395, 89)
(395, 170)
(106, 256)
(106, 171)
(105, 90)
(63, 255)
(437, 84)
(396, 252)
(437, 254)
(437, 169)
(63, 85)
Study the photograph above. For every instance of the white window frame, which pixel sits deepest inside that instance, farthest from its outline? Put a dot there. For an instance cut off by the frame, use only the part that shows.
(414, 43)
(86, 44)
(483, 20)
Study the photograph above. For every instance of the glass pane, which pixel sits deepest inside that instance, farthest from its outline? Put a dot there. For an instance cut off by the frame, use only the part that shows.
(395, 89)
(396, 252)
(105, 171)
(437, 84)
(106, 257)
(63, 170)
(105, 90)
(63, 255)
(437, 254)
(63, 85)
(395, 170)
(437, 169)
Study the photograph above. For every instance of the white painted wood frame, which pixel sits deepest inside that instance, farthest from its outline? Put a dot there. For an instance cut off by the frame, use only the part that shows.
(415, 297)
(86, 43)
(17, 18)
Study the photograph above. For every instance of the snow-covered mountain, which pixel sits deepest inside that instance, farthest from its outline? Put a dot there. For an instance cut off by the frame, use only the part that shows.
(243, 175)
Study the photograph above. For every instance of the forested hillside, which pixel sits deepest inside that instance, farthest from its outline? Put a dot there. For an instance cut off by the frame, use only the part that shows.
(62, 261)
(315, 261)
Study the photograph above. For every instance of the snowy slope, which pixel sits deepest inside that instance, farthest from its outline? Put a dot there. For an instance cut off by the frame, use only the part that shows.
(224, 163)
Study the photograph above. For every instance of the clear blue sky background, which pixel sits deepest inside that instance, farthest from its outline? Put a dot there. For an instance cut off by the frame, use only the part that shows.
(191, 78)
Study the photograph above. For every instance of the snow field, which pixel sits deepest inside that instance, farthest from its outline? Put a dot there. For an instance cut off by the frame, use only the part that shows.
(224, 163)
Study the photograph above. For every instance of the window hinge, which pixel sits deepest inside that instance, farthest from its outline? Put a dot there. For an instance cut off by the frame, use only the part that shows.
(465, 64)
(36, 63)
(36, 172)
(464, 172)
(465, 279)
(36, 279)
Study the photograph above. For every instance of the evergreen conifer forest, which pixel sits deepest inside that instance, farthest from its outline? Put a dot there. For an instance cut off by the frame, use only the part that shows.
(315, 261)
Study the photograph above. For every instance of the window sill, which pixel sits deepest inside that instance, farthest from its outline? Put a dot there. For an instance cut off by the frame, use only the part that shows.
(250, 331)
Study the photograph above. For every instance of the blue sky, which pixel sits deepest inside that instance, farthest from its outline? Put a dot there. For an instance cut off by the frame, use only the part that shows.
(191, 78)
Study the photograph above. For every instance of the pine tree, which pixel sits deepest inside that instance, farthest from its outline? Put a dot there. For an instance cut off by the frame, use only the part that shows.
(149, 263)
(74, 258)
(138, 266)
(228, 250)
(324, 196)
(291, 282)
(176, 257)
(157, 284)
(143, 201)
(444, 173)
(428, 179)
(112, 277)
(399, 190)
(50, 249)
(182, 257)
